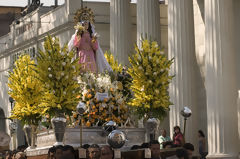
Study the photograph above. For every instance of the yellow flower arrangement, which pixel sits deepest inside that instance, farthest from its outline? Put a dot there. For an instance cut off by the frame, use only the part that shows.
(58, 74)
(150, 72)
(113, 62)
(26, 90)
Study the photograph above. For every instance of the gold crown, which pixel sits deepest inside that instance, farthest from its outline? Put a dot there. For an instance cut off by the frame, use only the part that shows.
(84, 14)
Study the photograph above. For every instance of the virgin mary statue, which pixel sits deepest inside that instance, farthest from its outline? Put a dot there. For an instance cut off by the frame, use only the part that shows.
(85, 41)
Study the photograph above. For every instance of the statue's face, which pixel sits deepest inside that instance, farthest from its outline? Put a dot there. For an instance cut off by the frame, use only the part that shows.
(86, 25)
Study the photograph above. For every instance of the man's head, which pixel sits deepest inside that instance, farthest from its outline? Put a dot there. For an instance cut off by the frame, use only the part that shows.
(181, 154)
(189, 148)
(20, 155)
(8, 155)
(155, 149)
(106, 152)
(58, 151)
(163, 133)
(145, 145)
(68, 152)
(51, 152)
(94, 151)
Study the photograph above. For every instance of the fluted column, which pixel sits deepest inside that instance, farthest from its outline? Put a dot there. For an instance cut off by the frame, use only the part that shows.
(239, 117)
(181, 47)
(221, 86)
(148, 20)
(120, 34)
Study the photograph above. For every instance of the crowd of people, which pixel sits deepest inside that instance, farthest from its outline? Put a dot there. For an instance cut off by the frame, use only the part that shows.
(16, 154)
(178, 141)
(94, 151)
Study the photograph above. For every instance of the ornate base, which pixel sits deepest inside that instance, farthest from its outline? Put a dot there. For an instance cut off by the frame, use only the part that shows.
(135, 136)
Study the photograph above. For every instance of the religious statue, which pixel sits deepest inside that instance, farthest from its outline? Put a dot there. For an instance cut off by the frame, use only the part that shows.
(85, 40)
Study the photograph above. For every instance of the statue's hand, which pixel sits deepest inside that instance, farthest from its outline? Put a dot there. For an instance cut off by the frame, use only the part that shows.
(95, 36)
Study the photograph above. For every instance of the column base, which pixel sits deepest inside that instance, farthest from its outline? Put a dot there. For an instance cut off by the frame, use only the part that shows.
(222, 156)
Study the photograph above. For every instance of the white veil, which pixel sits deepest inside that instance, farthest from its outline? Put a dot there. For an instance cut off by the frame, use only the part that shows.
(102, 64)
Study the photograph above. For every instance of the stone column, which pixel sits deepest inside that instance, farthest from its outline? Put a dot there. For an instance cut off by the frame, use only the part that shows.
(120, 25)
(238, 116)
(181, 47)
(221, 84)
(148, 20)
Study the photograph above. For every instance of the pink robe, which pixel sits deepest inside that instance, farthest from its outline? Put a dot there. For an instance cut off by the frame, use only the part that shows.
(86, 52)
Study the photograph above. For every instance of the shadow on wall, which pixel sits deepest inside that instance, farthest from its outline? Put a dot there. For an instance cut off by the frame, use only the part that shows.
(2, 121)
(201, 7)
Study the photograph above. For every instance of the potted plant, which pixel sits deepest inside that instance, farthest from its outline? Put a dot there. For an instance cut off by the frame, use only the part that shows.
(58, 73)
(27, 92)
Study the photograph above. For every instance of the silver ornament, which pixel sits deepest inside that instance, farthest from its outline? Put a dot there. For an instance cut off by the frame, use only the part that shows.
(186, 112)
(81, 108)
(109, 126)
(151, 125)
(116, 139)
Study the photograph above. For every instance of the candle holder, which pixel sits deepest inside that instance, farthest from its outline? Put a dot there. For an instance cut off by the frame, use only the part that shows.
(186, 113)
(81, 108)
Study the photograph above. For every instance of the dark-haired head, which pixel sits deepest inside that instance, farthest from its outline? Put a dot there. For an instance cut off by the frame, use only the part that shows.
(94, 146)
(135, 147)
(201, 133)
(176, 128)
(51, 150)
(59, 147)
(86, 146)
(68, 147)
(181, 153)
(145, 145)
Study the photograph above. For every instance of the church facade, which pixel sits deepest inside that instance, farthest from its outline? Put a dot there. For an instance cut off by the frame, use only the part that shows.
(201, 36)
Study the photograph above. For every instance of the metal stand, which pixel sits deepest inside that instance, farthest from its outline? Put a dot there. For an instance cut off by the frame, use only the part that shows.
(184, 129)
(80, 124)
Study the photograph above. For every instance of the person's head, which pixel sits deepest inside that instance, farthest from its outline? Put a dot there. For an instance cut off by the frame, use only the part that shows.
(86, 146)
(94, 151)
(181, 154)
(51, 152)
(176, 129)
(189, 148)
(68, 152)
(155, 148)
(8, 154)
(163, 133)
(200, 133)
(58, 152)
(168, 144)
(135, 147)
(145, 145)
(106, 152)
(20, 155)
(14, 153)
(21, 148)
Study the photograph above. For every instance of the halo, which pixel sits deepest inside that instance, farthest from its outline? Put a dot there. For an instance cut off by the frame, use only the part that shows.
(84, 14)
